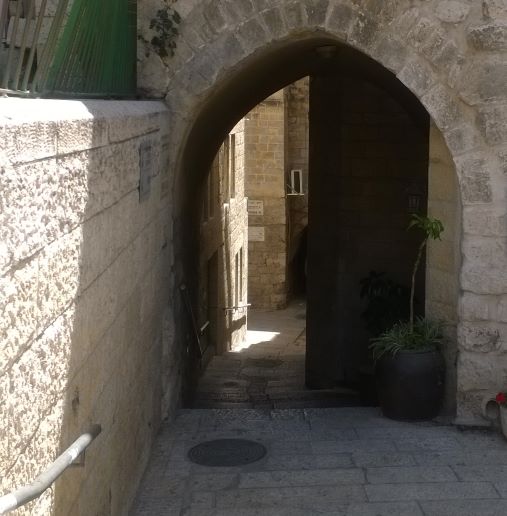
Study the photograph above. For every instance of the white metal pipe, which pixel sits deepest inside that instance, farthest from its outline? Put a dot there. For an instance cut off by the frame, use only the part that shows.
(31, 491)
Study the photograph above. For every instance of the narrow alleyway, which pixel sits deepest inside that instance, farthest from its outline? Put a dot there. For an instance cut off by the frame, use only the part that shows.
(334, 461)
(268, 370)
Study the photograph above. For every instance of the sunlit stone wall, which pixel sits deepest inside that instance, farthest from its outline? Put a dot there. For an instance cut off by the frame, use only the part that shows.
(85, 329)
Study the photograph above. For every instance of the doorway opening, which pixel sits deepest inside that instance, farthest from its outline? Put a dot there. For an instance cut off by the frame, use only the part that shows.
(369, 150)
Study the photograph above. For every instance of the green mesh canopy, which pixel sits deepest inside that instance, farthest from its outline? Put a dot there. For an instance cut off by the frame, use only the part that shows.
(96, 53)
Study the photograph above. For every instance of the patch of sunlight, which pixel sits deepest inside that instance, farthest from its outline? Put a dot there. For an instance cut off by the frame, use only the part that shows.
(254, 337)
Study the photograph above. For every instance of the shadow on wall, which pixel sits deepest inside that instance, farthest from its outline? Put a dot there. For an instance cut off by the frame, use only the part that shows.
(86, 267)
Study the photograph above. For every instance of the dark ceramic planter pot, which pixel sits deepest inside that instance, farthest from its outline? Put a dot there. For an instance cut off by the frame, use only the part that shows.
(410, 384)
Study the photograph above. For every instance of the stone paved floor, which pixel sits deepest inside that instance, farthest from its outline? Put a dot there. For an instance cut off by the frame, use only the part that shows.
(328, 461)
(320, 461)
(268, 370)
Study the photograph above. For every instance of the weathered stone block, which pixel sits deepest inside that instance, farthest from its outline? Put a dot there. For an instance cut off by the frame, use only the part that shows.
(491, 122)
(242, 9)
(391, 52)
(252, 34)
(476, 308)
(443, 107)
(39, 378)
(483, 79)
(481, 371)
(5, 387)
(484, 221)
(316, 11)
(491, 36)
(339, 20)
(153, 77)
(274, 21)
(364, 32)
(475, 180)
(496, 9)
(129, 119)
(20, 311)
(214, 16)
(59, 276)
(462, 138)
(79, 126)
(451, 11)
(423, 33)
(476, 338)
(28, 134)
(28, 222)
(417, 76)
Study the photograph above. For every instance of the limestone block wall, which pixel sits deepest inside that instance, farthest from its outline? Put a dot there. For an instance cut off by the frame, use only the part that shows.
(297, 138)
(265, 189)
(85, 330)
(443, 258)
(224, 246)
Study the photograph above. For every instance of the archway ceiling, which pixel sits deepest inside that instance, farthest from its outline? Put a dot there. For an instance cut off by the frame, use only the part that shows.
(262, 75)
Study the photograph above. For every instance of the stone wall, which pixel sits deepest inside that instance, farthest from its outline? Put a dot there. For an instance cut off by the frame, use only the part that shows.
(449, 54)
(86, 327)
(297, 138)
(265, 189)
(443, 258)
(224, 247)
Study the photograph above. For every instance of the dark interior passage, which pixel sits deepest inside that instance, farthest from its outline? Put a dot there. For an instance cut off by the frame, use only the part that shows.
(368, 166)
(368, 173)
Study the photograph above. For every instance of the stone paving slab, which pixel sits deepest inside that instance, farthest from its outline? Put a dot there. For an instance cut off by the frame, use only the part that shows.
(354, 472)
(267, 374)
(465, 508)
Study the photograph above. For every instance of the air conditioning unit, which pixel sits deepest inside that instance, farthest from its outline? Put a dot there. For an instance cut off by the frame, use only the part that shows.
(295, 186)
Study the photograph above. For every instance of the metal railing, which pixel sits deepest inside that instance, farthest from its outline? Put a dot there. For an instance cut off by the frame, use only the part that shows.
(66, 48)
(29, 35)
(26, 494)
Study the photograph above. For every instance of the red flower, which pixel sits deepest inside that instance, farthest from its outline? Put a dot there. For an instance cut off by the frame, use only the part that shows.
(501, 398)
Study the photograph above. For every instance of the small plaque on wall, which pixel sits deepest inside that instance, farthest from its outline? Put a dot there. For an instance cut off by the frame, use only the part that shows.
(256, 234)
(255, 207)
(146, 169)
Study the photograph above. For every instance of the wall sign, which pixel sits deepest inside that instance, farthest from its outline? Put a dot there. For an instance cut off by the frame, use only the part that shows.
(256, 234)
(146, 169)
(255, 207)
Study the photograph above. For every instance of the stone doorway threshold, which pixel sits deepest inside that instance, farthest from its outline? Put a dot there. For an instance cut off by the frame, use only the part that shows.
(267, 371)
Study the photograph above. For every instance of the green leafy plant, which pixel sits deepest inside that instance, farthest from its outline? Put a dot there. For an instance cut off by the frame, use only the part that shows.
(431, 228)
(422, 334)
(386, 302)
(165, 23)
(419, 334)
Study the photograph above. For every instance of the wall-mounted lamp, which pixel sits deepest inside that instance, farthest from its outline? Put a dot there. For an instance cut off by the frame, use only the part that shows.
(414, 203)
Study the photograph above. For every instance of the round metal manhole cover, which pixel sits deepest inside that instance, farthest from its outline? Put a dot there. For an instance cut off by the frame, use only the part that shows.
(227, 452)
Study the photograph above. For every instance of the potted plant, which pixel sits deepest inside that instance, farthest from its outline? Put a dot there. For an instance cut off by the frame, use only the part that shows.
(409, 368)
(501, 399)
(386, 302)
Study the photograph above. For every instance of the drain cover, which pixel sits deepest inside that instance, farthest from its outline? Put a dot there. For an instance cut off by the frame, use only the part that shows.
(226, 452)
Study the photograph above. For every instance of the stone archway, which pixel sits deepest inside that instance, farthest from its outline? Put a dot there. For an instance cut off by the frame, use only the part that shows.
(227, 46)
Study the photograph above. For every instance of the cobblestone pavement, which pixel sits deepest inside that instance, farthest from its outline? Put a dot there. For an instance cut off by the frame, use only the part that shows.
(268, 370)
(328, 461)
